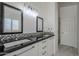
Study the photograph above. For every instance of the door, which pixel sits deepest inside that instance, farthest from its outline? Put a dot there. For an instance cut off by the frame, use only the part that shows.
(68, 25)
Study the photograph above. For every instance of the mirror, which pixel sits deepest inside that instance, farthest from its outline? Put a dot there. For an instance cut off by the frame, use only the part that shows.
(12, 19)
(39, 24)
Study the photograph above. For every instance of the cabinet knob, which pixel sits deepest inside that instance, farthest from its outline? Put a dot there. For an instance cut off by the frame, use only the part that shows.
(44, 53)
(44, 47)
(33, 46)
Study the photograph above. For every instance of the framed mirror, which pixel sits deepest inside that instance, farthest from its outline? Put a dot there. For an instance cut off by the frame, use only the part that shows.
(11, 19)
(39, 24)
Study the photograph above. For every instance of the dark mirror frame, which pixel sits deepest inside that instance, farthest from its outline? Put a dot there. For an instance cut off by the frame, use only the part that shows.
(37, 24)
(2, 18)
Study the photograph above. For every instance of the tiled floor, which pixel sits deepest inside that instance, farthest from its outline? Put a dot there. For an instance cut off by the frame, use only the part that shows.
(66, 51)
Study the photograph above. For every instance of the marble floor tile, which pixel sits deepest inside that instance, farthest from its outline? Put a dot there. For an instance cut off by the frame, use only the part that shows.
(66, 51)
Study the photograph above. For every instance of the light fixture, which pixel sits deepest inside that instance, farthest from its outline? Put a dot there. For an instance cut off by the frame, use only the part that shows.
(30, 11)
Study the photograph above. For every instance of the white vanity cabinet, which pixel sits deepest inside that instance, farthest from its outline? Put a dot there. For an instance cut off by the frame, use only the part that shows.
(26, 51)
(43, 48)
(30, 51)
(50, 46)
(46, 47)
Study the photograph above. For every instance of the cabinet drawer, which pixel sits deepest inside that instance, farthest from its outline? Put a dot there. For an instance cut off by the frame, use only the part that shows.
(43, 48)
(43, 53)
(26, 52)
(42, 43)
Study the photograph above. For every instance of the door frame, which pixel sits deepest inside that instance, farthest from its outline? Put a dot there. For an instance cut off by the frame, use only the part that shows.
(59, 39)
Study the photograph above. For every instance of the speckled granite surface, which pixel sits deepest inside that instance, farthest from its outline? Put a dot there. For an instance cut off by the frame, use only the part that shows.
(14, 37)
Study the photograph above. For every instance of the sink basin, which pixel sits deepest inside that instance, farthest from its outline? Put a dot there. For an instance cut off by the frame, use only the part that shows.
(16, 43)
(46, 35)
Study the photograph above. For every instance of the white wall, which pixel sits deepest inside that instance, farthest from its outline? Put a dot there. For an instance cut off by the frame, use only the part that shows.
(39, 7)
(78, 30)
(53, 23)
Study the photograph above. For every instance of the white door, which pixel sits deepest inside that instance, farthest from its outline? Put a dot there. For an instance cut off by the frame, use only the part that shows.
(68, 25)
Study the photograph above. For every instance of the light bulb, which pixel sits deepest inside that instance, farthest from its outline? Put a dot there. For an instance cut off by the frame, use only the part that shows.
(30, 12)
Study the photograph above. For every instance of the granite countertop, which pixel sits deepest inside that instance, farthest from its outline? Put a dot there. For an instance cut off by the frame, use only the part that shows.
(29, 36)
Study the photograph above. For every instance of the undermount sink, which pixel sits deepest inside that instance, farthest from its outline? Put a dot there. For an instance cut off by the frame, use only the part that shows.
(46, 35)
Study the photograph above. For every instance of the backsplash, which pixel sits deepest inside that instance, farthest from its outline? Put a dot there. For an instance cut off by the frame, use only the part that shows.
(14, 37)
(8, 38)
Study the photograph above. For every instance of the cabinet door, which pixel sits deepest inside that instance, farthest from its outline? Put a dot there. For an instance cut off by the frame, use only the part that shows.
(43, 48)
(26, 51)
(50, 46)
(31, 51)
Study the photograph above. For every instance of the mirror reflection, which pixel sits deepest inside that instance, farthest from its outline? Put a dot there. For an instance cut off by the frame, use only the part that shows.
(12, 20)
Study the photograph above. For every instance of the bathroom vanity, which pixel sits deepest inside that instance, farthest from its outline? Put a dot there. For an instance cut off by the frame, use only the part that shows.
(42, 46)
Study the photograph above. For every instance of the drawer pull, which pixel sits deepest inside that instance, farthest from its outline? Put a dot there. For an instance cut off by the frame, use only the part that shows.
(44, 53)
(44, 47)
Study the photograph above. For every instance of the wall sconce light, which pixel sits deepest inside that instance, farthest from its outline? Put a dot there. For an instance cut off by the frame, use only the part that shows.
(30, 11)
